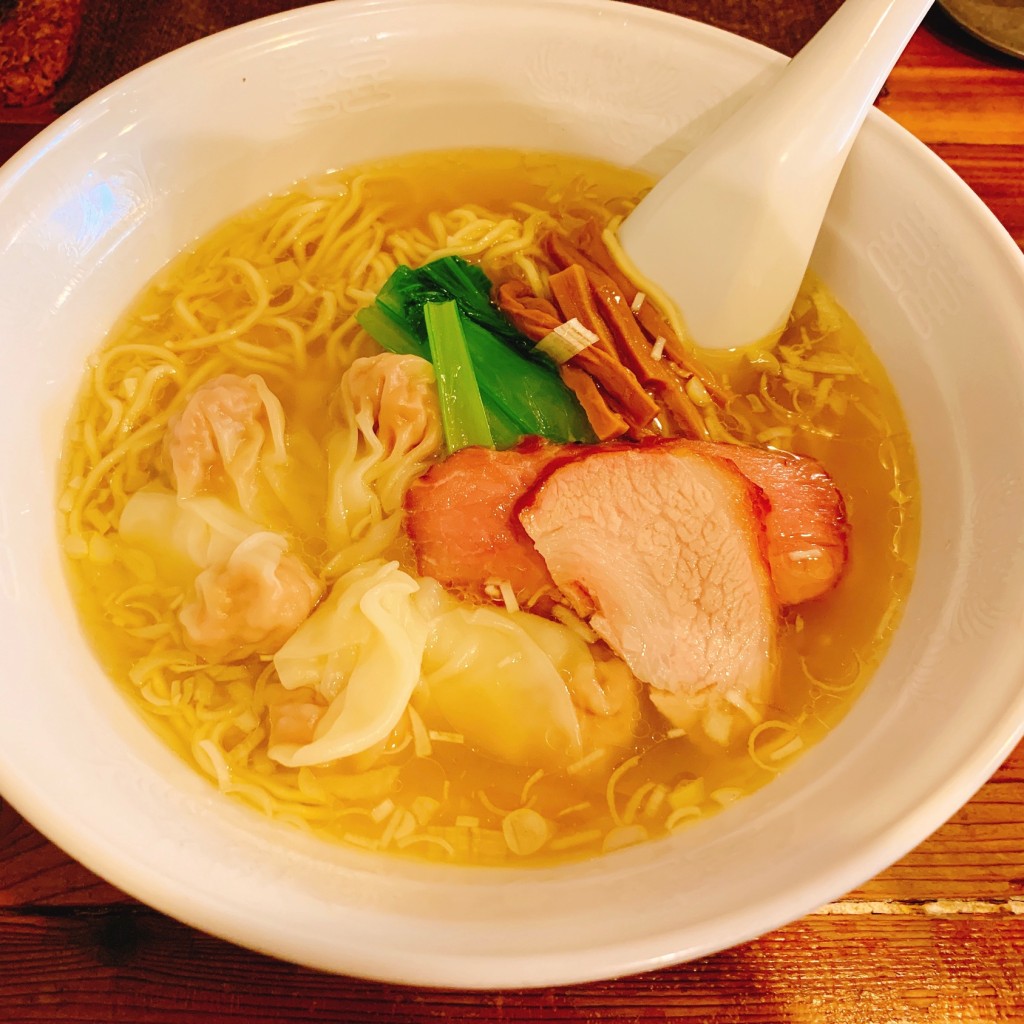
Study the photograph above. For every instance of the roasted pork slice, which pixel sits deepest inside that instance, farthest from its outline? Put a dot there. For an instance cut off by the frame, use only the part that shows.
(461, 518)
(806, 525)
(667, 547)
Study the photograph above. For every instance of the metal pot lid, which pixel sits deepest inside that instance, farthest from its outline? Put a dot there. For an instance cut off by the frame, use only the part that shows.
(999, 23)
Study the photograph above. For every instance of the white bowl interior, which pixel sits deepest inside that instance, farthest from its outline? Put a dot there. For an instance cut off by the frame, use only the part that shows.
(106, 196)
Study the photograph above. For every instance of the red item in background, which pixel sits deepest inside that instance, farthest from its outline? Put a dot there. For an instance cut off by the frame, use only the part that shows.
(37, 43)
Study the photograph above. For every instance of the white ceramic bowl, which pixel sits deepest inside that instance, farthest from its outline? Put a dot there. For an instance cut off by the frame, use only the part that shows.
(94, 206)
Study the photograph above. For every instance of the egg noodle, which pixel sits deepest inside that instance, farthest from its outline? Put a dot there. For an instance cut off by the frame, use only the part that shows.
(274, 292)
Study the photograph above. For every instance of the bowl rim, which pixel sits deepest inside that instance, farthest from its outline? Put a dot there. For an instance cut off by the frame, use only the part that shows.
(529, 970)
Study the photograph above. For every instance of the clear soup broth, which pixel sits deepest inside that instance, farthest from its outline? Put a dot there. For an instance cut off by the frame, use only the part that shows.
(273, 292)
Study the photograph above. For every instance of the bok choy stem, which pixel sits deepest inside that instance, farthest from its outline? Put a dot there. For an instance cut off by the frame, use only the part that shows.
(462, 408)
(389, 333)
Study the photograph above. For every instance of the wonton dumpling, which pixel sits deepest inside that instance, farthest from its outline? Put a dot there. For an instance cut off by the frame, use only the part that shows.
(389, 428)
(247, 593)
(361, 650)
(604, 691)
(496, 686)
(182, 536)
(251, 603)
(226, 427)
(298, 486)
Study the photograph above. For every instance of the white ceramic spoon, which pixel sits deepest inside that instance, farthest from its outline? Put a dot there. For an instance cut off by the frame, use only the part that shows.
(728, 233)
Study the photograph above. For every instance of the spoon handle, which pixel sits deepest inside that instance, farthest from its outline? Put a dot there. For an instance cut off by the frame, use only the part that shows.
(829, 86)
(728, 233)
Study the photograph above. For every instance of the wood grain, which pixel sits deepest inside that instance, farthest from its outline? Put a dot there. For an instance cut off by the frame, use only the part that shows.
(34, 872)
(984, 107)
(134, 965)
(15, 135)
(977, 855)
(948, 89)
(996, 174)
(935, 939)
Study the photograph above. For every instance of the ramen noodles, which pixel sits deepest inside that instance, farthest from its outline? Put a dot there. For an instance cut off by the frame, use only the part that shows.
(406, 515)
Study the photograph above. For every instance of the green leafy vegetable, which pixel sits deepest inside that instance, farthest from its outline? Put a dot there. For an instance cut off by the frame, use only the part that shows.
(471, 288)
(521, 390)
(390, 333)
(462, 408)
(529, 394)
(504, 432)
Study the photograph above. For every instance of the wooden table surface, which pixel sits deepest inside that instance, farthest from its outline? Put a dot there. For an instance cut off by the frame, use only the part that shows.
(939, 937)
